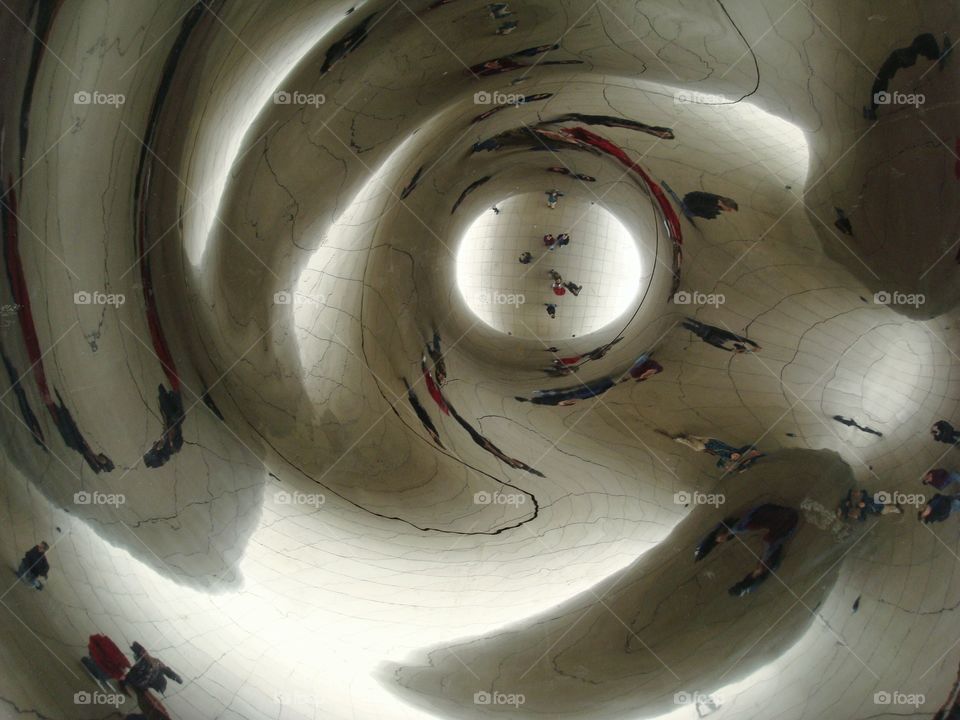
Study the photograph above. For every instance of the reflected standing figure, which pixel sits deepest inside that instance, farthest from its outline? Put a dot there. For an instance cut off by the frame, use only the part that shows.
(778, 524)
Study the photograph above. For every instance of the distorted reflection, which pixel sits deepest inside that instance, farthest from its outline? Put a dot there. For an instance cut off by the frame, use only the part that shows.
(386, 360)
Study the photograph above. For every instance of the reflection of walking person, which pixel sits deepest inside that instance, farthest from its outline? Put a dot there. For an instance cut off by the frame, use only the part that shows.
(526, 258)
(944, 432)
(779, 524)
(569, 396)
(664, 133)
(555, 276)
(104, 656)
(436, 355)
(549, 240)
(34, 566)
(720, 338)
(942, 479)
(578, 176)
(573, 288)
(432, 387)
(485, 443)
(148, 672)
(553, 197)
(950, 710)
(842, 223)
(551, 310)
(150, 707)
(422, 414)
(850, 422)
(644, 367)
(939, 508)
(707, 205)
(924, 45)
(731, 459)
(171, 441)
(860, 505)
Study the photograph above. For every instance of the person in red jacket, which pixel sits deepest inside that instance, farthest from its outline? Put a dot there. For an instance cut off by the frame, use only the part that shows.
(108, 657)
(432, 387)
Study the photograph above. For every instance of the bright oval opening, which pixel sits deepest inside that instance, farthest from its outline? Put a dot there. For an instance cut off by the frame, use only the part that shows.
(601, 259)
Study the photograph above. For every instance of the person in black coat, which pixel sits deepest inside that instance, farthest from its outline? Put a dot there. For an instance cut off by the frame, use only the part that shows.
(148, 672)
(778, 524)
(924, 45)
(944, 432)
(938, 508)
(720, 338)
(171, 440)
(707, 205)
(34, 565)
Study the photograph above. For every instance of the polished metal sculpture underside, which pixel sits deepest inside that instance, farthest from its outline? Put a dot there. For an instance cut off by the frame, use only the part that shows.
(282, 446)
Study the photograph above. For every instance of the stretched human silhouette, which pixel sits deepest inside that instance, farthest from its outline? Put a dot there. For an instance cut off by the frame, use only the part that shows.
(778, 524)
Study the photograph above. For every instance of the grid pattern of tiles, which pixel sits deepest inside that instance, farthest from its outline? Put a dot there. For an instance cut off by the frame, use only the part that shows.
(509, 296)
